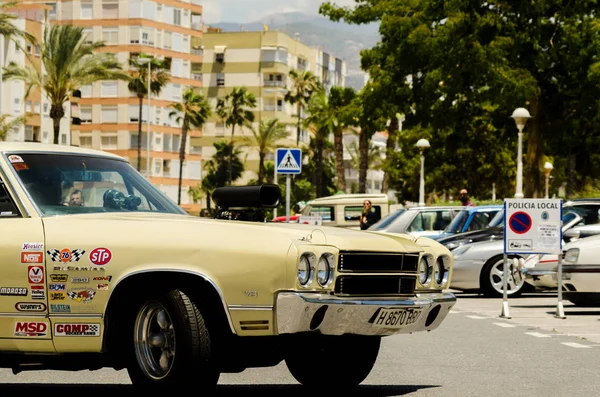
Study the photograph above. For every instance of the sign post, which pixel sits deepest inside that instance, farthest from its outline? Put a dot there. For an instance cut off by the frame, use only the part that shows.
(533, 226)
(288, 161)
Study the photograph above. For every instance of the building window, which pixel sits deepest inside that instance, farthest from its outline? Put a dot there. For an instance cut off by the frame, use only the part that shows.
(28, 105)
(17, 105)
(85, 114)
(168, 40)
(176, 92)
(220, 79)
(63, 139)
(158, 166)
(36, 108)
(45, 107)
(148, 36)
(87, 10)
(85, 141)
(110, 36)
(109, 142)
(110, 114)
(134, 35)
(37, 50)
(110, 10)
(88, 36)
(110, 89)
(86, 91)
(177, 17)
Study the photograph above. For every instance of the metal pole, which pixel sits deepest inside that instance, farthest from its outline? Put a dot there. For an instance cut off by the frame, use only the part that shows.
(519, 193)
(547, 177)
(288, 187)
(505, 313)
(422, 181)
(148, 122)
(560, 311)
(275, 180)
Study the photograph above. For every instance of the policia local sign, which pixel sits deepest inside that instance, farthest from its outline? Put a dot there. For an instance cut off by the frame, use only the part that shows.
(532, 226)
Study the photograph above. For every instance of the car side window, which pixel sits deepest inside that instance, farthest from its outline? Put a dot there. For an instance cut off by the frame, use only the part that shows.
(326, 213)
(8, 209)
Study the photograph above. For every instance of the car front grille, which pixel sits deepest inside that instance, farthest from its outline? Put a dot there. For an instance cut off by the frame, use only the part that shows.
(377, 262)
(375, 285)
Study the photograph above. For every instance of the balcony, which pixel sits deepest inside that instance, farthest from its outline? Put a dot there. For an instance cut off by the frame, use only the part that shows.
(197, 26)
(197, 76)
(196, 51)
(273, 83)
(273, 108)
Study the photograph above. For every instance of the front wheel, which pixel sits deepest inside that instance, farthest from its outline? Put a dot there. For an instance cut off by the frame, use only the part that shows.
(353, 357)
(171, 345)
(492, 275)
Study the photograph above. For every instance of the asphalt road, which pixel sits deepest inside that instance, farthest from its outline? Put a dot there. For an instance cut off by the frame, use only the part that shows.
(473, 353)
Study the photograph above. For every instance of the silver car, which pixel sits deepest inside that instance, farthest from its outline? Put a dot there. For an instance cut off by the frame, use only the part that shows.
(418, 221)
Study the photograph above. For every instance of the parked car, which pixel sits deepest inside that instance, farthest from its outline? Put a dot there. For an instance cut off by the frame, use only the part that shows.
(101, 269)
(418, 221)
(581, 272)
(472, 218)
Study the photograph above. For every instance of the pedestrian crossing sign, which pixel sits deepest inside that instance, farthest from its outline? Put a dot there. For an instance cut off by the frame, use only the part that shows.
(289, 161)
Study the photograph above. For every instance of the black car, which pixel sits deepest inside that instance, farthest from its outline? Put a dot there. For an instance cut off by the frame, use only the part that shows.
(458, 239)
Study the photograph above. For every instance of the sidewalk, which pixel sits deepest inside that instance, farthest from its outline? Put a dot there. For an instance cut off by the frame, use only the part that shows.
(536, 310)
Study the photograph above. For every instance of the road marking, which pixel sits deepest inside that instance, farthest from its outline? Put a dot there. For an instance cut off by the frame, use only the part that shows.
(537, 334)
(576, 345)
(505, 325)
(477, 317)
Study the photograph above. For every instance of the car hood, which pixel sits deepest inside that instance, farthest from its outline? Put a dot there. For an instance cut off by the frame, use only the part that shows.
(184, 230)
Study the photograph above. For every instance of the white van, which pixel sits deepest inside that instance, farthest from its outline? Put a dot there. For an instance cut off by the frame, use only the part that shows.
(344, 210)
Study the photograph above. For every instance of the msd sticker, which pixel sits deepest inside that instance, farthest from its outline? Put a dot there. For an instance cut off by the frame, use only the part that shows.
(77, 330)
(100, 256)
(36, 275)
(26, 328)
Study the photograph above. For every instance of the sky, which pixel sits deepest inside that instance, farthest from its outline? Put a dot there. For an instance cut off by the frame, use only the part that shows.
(244, 11)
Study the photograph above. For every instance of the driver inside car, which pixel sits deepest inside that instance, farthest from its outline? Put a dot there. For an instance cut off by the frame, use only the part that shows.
(75, 199)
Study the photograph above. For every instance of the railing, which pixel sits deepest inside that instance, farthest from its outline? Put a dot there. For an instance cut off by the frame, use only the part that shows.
(270, 83)
(196, 51)
(197, 26)
(197, 76)
(273, 108)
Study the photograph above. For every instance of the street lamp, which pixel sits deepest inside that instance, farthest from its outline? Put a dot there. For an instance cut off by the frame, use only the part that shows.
(143, 61)
(520, 115)
(547, 170)
(422, 144)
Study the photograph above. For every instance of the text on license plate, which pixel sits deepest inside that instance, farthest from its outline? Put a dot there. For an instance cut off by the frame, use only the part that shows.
(395, 318)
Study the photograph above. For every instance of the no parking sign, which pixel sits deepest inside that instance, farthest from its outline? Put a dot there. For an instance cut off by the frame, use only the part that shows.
(533, 226)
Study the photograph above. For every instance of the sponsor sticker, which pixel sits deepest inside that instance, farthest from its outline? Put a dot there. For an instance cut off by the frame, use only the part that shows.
(13, 158)
(32, 257)
(100, 256)
(36, 274)
(76, 329)
(56, 287)
(103, 278)
(59, 308)
(13, 291)
(103, 287)
(27, 328)
(38, 292)
(57, 296)
(78, 268)
(30, 307)
(84, 295)
(59, 278)
(65, 255)
(32, 247)
(80, 280)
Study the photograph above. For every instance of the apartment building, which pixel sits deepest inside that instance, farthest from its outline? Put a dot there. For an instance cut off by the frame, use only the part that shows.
(38, 126)
(260, 61)
(109, 113)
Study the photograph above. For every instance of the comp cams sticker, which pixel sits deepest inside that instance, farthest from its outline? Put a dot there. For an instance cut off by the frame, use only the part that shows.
(76, 329)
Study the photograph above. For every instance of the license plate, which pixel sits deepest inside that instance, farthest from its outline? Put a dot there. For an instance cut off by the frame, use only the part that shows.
(395, 318)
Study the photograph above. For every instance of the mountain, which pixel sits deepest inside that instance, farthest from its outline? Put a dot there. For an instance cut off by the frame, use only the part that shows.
(337, 38)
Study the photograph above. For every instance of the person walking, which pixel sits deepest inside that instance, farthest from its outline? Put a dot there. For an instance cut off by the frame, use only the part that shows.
(463, 196)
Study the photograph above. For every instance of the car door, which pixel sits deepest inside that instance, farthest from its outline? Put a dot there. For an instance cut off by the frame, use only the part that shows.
(23, 305)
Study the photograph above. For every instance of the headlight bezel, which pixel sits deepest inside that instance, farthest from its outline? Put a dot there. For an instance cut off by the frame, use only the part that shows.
(425, 261)
(572, 255)
(441, 272)
(329, 259)
(310, 260)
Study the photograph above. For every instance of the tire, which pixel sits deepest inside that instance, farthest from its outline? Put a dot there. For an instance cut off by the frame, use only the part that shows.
(352, 357)
(490, 280)
(170, 345)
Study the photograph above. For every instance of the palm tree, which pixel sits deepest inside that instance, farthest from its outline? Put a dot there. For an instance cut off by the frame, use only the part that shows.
(265, 140)
(341, 104)
(236, 110)
(192, 112)
(304, 83)
(7, 28)
(70, 63)
(6, 126)
(138, 85)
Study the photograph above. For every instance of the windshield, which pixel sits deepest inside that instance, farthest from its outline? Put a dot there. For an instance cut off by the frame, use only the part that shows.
(66, 184)
(458, 223)
(385, 222)
(498, 220)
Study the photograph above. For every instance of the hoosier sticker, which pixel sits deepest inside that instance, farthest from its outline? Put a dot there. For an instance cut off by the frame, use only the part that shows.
(77, 330)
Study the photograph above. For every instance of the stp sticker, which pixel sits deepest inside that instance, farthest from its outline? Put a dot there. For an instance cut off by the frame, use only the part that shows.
(36, 274)
(32, 257)
(100, 256)
(26, 328)
(77, 329)
(32, 247)
(65, 255)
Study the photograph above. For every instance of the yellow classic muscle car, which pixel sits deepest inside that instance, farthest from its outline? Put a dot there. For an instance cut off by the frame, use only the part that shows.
(98, 268)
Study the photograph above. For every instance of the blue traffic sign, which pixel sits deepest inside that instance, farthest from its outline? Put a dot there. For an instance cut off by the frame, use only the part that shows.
(288, 161)
(520, 222)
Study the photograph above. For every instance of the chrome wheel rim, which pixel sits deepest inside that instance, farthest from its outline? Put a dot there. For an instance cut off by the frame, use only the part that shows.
(515, 279)
(154, 340)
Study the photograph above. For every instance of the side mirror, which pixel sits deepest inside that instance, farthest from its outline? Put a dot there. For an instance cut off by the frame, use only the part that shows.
(571, 234)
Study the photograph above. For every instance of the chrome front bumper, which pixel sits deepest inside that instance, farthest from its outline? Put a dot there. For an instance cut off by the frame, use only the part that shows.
(330, 315)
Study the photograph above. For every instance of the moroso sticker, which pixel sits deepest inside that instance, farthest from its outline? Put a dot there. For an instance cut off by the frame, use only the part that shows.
(30, 307)
(26, 328)
(59, 278)
(59, 308)
(65, 255)
(13, 291)
(81, 294)
(32, 257)
(13, 158)
(76, 329)
(100, 256)
(36, 274)
(32, 247)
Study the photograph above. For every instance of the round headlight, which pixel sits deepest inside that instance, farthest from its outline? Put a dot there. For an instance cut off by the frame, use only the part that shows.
(439, 272)
(304, 270)
(424, 271)
(325, 270)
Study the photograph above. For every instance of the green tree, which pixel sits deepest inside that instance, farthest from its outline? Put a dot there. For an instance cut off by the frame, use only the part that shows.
(69, 63)
(6, 126)
(191, 112)
(304, 84)
(265, 141)
(236, 110)
(217, 167)
(341, 106)
(138, 85)
(7, 27)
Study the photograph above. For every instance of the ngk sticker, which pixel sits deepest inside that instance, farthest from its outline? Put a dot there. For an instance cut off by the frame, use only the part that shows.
(32, 257)
(36, 274)
(100, 256)
(77, 330)
(26, 328)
